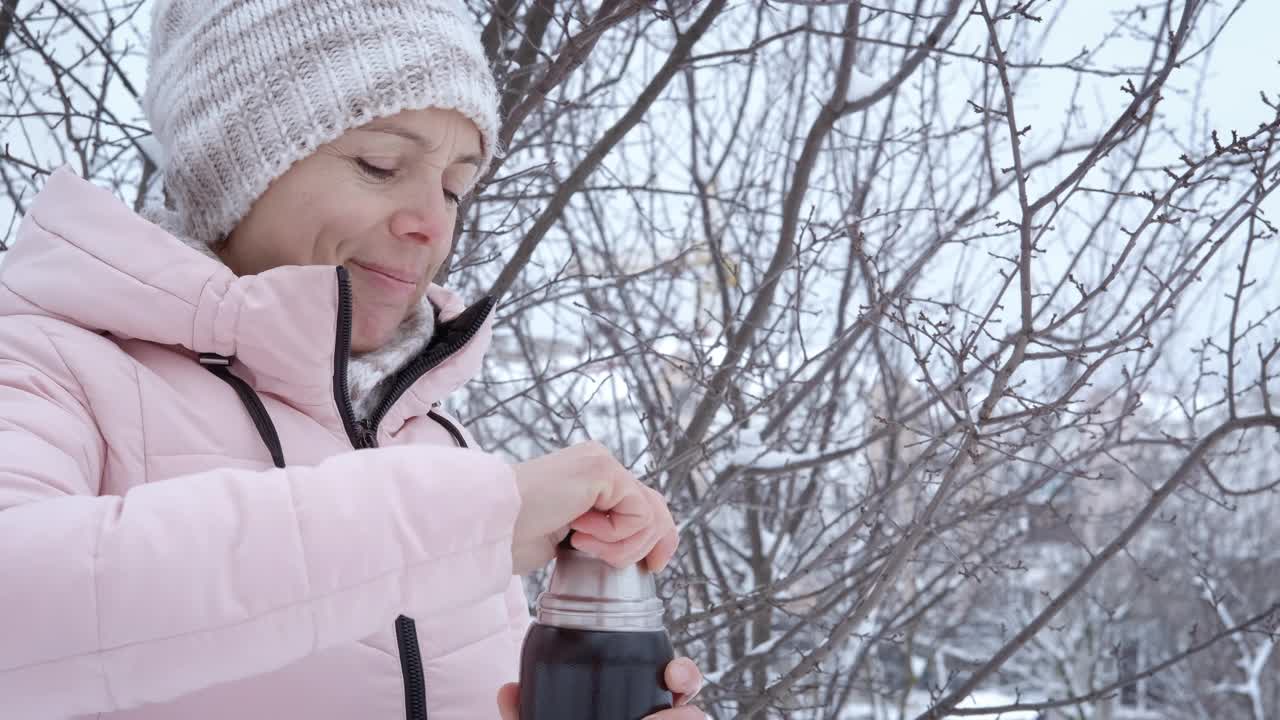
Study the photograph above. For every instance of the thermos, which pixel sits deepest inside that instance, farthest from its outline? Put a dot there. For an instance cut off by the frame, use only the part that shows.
(597, 649)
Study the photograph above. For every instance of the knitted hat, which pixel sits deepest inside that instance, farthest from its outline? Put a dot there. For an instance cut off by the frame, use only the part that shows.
(240, 90)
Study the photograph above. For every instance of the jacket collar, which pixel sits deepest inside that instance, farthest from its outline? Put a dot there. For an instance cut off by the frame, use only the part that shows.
(83, 256)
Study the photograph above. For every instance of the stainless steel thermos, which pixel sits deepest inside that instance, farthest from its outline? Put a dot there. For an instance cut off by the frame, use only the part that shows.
(597, 649)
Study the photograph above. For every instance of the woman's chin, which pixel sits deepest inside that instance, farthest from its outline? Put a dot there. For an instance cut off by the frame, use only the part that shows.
(367, 336)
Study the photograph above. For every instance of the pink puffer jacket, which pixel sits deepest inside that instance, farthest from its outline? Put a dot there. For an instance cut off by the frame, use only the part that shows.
(153, 562)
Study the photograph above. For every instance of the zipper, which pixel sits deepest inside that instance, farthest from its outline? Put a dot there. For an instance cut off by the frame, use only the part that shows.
(364, 434)
(453, 430)
(221, 366)
(449, 339)
(358, 434)
(456, 334)
(415, 688)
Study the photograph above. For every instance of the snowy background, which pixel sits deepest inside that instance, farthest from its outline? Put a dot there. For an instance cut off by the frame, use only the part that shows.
(930, 453)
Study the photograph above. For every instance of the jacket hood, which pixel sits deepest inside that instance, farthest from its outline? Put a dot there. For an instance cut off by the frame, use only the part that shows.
(84, 257)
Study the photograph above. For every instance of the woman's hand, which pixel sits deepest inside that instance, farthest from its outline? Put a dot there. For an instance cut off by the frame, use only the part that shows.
(683, 678)
(583, 488)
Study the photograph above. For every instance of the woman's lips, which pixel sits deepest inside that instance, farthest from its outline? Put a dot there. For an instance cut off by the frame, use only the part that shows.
(396, 282)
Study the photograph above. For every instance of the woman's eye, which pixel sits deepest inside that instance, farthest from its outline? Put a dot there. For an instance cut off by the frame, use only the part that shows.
(374, 171)
(452, 197)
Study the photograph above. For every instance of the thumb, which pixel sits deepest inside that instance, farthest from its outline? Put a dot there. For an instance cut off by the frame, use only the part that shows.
(509, 701)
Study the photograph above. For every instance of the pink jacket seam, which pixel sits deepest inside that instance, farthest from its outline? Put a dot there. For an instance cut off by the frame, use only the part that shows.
(97, 613)
(104, 261)
(80, 394)
(196, 315)
(404, 569)
(142, 422)
(306, 563)
(466, 645)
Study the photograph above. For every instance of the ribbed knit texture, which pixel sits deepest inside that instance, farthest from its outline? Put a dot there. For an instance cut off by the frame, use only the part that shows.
(239, 90)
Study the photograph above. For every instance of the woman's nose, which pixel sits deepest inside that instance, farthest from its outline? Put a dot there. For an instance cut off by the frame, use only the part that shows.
(426, 220)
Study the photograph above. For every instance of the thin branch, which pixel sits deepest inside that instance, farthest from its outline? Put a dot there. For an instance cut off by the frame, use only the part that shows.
(551, 214)
(1180, 476)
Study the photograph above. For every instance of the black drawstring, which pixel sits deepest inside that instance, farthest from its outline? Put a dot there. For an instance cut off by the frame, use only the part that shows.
(448, 426)
(220, 365)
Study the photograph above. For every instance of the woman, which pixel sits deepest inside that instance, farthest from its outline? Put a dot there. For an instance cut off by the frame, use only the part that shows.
(226, 488)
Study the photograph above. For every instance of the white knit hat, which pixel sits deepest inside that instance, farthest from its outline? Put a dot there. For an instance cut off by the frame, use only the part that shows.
(240, 90)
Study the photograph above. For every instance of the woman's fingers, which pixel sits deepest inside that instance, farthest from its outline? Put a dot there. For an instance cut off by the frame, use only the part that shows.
(684, 679)
(641, 529)
(509, 701)
(684, 712)
(663, 551)
(668, 537)
(614, 526)
(618, 519)
(619, 554)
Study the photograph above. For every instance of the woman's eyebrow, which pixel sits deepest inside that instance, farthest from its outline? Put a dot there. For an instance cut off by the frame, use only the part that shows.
(407, 134)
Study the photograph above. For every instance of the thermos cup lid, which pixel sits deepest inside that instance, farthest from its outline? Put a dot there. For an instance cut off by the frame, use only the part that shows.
(589, 594)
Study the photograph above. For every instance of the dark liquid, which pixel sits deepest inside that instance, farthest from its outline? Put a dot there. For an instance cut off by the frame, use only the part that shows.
(570, 674)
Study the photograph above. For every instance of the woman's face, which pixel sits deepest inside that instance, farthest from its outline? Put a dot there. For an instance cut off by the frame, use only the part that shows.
(381, 200)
